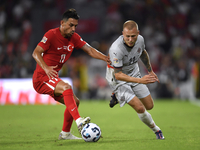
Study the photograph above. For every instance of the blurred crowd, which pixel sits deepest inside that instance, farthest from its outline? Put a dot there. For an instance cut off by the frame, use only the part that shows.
(170, 29)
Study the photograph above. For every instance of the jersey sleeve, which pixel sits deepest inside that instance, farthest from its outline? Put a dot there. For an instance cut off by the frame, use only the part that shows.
(116, 58)
(143, 44)
(45, 42)
(78, 41)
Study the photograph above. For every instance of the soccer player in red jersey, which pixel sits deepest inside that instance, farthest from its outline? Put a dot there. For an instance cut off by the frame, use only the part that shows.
(50, 54)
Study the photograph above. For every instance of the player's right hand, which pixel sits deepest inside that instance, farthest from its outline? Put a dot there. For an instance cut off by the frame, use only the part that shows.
(148, 79)
(108, 60)
(51, 73)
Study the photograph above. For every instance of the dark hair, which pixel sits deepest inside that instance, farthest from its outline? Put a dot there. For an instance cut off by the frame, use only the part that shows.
(70, 13)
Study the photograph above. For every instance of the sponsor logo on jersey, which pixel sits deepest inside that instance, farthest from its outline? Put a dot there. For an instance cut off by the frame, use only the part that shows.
(115, 61)
(65, 47)
(44, 39)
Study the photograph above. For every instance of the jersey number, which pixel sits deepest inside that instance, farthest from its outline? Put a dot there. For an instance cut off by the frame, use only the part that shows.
(132, 61)
(62, 58)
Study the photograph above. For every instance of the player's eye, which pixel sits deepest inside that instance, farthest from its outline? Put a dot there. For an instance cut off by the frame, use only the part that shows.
(71, 25)
(133, 36)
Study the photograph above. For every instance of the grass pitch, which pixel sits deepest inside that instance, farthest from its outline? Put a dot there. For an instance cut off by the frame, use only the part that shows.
(37, 127)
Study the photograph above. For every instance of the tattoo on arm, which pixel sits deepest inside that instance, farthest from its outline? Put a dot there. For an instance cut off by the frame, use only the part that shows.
(86, 48)
(145, 59)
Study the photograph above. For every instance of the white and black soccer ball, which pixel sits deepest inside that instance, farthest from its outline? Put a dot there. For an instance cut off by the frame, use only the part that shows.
(91, 132)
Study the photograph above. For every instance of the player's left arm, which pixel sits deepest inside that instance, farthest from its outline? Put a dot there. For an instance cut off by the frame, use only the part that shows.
(146, 61)
(95, 53)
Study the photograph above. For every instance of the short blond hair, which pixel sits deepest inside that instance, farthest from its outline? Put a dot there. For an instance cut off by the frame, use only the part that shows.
(130, 24)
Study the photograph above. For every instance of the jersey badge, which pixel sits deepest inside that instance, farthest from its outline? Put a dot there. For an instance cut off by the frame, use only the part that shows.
(69, 47)
(44, 39)
(115, 61)
(139, 50)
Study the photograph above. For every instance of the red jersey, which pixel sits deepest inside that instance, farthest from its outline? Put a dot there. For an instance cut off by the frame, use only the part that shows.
(57, 50)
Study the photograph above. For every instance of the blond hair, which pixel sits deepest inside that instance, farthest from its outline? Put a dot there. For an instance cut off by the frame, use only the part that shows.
(130, 24)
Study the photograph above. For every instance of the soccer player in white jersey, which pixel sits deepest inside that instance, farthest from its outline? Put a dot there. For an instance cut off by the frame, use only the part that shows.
(124, 77)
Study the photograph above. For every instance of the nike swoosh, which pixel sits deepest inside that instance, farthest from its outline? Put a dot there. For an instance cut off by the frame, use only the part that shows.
(58, 48)
(73, 109)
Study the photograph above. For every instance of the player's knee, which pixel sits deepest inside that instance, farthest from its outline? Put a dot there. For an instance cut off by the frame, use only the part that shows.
(67, 87)
(149, 107)
(140, 109)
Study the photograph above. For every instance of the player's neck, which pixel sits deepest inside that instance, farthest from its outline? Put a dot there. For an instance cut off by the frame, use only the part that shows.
(63, 35)
(128, 46)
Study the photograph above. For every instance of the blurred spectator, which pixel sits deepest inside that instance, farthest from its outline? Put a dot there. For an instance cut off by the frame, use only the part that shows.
(185, 85)
(167, 85)
(170, 28)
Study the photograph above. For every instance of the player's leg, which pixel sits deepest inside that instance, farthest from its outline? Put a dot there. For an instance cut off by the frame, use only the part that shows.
(49, 88)
(70, 103)
(147, 102)
(67, 123)
(66, 90)
(145, 98)
(75, 98)
(68, 119)
(145, 117)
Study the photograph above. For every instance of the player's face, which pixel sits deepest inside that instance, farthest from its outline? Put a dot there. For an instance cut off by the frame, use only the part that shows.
(68, 27)
(130, 36)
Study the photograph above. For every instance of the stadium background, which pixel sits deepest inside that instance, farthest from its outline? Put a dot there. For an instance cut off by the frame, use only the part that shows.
(170, 28)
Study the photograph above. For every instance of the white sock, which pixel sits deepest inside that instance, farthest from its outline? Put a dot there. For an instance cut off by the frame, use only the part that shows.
(77, 121)
(64, 133)
(147, 119)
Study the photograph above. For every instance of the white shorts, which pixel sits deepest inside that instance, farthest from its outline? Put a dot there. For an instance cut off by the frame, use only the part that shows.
(125, 93)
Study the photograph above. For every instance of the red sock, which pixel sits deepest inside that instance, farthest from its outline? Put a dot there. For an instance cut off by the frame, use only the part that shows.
(70, 104)
(68, 120)
(67, 123)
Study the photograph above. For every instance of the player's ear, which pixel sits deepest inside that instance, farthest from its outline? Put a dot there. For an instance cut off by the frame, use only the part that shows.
(61, 22)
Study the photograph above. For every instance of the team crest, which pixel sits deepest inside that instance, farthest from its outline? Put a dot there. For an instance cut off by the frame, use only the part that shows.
(139, 50)
(68, 48)
(44, 39)
(115, 61)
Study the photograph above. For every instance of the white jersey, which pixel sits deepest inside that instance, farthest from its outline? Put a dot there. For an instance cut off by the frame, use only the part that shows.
(126, 58)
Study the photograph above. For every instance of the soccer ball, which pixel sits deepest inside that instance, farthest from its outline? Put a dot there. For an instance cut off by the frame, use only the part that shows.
(91, 132)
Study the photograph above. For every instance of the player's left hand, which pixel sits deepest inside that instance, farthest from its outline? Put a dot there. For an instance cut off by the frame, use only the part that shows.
(153, 74)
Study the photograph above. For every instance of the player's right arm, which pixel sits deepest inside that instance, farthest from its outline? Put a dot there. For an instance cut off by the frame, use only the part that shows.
(119, 75)
(37, 55)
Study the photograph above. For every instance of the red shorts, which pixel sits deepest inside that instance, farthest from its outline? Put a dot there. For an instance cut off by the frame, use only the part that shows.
(47, 87)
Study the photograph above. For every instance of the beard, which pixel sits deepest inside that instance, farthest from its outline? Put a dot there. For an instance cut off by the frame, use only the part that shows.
(69, 35)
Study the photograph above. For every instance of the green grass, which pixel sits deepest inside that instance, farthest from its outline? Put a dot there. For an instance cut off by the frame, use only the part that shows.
(37, 127)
